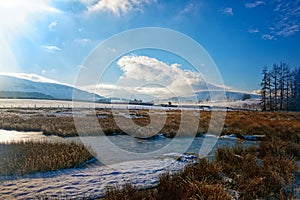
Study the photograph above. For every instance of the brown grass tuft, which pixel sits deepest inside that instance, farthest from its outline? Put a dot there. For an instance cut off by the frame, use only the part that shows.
(26, 157)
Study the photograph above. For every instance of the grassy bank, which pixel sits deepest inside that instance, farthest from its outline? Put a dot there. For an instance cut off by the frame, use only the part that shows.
(39, 156)
(236, 122)
(236, 172)
(264, 172)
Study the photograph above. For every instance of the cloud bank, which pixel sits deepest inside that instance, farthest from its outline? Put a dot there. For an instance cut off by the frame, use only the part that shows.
(227, 11)
(143, 75)
(254, 4)
(116, 7)
(287, 22)
(51, 48)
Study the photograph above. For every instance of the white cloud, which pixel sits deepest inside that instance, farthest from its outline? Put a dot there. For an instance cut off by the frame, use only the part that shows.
(51, 48)
(117, 7)
(83, 41)
(191, 7)
(141, 69)
(254, 4)
(147, 76)
(253, 30)
(268, 37)
(151, 79)
(288, 30)
(287, 23)
(227, 11)
(52, 25)
(283, 22)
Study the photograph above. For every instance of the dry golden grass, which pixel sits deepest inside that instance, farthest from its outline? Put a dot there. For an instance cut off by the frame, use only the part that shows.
(271, 178)
(284, 124)
(50, 125)
(39, 156)
(265, 172)
(235, 169)
(199, 181)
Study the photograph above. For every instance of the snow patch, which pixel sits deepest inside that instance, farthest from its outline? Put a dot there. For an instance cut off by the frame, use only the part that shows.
(91, 181)
(34, 78)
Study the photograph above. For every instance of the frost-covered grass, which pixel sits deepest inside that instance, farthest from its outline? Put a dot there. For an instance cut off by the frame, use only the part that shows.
(60, 122)
(49, 124)
(239, 173)
(201, 181)
(266, 172)
(26, 157)
(89, 181)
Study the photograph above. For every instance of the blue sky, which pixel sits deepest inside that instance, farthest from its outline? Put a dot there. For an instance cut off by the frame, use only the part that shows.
(52, 38)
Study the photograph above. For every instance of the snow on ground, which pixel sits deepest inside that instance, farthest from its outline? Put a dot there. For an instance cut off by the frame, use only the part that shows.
(34, 103)
(91, 181)
(233, 104)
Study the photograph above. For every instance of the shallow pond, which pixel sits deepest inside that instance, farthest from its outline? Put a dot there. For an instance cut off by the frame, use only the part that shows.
(9, 136)
(121, 148)
(148, 160)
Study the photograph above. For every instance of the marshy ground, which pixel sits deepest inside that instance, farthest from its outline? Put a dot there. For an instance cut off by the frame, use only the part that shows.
(24, 157)
(60, 122)
(264, 172)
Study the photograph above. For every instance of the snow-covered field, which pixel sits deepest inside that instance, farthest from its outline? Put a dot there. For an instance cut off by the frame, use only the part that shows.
(91, 181)
(34, 103)
(234, 104)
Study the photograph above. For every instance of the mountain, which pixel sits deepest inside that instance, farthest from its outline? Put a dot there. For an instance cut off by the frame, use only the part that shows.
(33, 86)
(216, 94)
(38, 87)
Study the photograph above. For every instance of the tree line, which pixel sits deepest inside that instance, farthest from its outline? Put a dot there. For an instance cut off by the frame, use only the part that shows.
(280, 88)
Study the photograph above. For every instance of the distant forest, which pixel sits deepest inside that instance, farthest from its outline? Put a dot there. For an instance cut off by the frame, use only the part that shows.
(280, 88)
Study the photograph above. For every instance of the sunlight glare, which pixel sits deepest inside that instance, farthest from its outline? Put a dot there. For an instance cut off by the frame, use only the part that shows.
(15, 12)
(15, 19)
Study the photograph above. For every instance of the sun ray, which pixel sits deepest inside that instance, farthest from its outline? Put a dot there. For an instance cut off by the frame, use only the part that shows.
(15, 20)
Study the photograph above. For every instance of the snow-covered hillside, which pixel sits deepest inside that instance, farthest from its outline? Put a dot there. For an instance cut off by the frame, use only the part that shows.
(37, 87)
(216, 95)
(32, 86)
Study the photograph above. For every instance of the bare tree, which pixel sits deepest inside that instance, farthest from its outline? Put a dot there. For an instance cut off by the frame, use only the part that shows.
(295, 105)
(280, 87)
(264, 89)
(275, 84)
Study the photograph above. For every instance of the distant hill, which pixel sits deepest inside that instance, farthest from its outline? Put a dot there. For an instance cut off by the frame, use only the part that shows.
(36, 87)
(218, 95)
